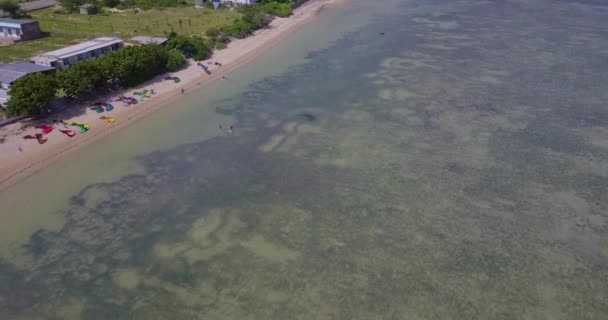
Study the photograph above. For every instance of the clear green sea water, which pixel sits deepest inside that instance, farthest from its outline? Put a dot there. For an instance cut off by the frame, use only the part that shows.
(409, 159)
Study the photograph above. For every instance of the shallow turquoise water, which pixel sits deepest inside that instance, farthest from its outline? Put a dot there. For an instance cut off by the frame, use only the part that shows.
(453, 167)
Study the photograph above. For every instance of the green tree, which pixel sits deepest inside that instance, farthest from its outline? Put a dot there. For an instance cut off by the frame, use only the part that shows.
(238, 29)
(201, 50)
(82, 78)
(31, 94)
(276, 8)
(193, 46)
(175, 60)
(213, 32)
(12, 8)
(134, 65)
(71, 5)
(111, 3)
(9, 6)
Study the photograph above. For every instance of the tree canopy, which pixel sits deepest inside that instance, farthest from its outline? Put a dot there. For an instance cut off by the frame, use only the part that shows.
(134, 65)
(81, 78)
(12, 8)
(175, 60)
(71, 5)
(31, 94)
(190, 46)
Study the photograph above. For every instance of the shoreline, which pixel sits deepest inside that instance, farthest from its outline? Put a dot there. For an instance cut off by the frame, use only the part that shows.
(21, 158)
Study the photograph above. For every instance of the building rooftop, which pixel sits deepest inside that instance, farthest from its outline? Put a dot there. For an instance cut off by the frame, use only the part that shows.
(35, 5)
(82, 47)
(14, 21)
(86, 5)
(146, 40)
(13, 71)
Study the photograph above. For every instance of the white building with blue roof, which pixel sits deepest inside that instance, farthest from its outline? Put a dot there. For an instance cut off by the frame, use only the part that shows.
(19, 30)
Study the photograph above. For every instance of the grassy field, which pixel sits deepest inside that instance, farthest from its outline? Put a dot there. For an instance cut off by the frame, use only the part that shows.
(66, 28)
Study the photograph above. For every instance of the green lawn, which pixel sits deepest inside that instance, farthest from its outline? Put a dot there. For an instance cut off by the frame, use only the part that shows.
(65, 28)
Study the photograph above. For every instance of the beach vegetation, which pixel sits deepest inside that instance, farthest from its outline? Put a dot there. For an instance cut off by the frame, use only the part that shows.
(31, 94)
(218, 39)
(191, 46)
(213, 33)
(252, 19)
(221, 46)
(81, 78)
(276, 8)
(175, 60)
(133, 65)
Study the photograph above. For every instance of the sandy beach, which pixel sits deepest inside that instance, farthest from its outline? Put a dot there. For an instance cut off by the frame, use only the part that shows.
(20, 158)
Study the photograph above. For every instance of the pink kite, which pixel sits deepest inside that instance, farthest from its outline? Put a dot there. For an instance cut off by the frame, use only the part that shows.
(46, 129)
(69, 133)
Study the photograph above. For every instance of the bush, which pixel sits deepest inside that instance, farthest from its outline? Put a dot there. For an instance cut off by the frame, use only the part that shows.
(238, 29)
(213, 33)
(190, 46)
(111, 3)
(71, 5)
(175, 60)
(276, 8)
(223, 39)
